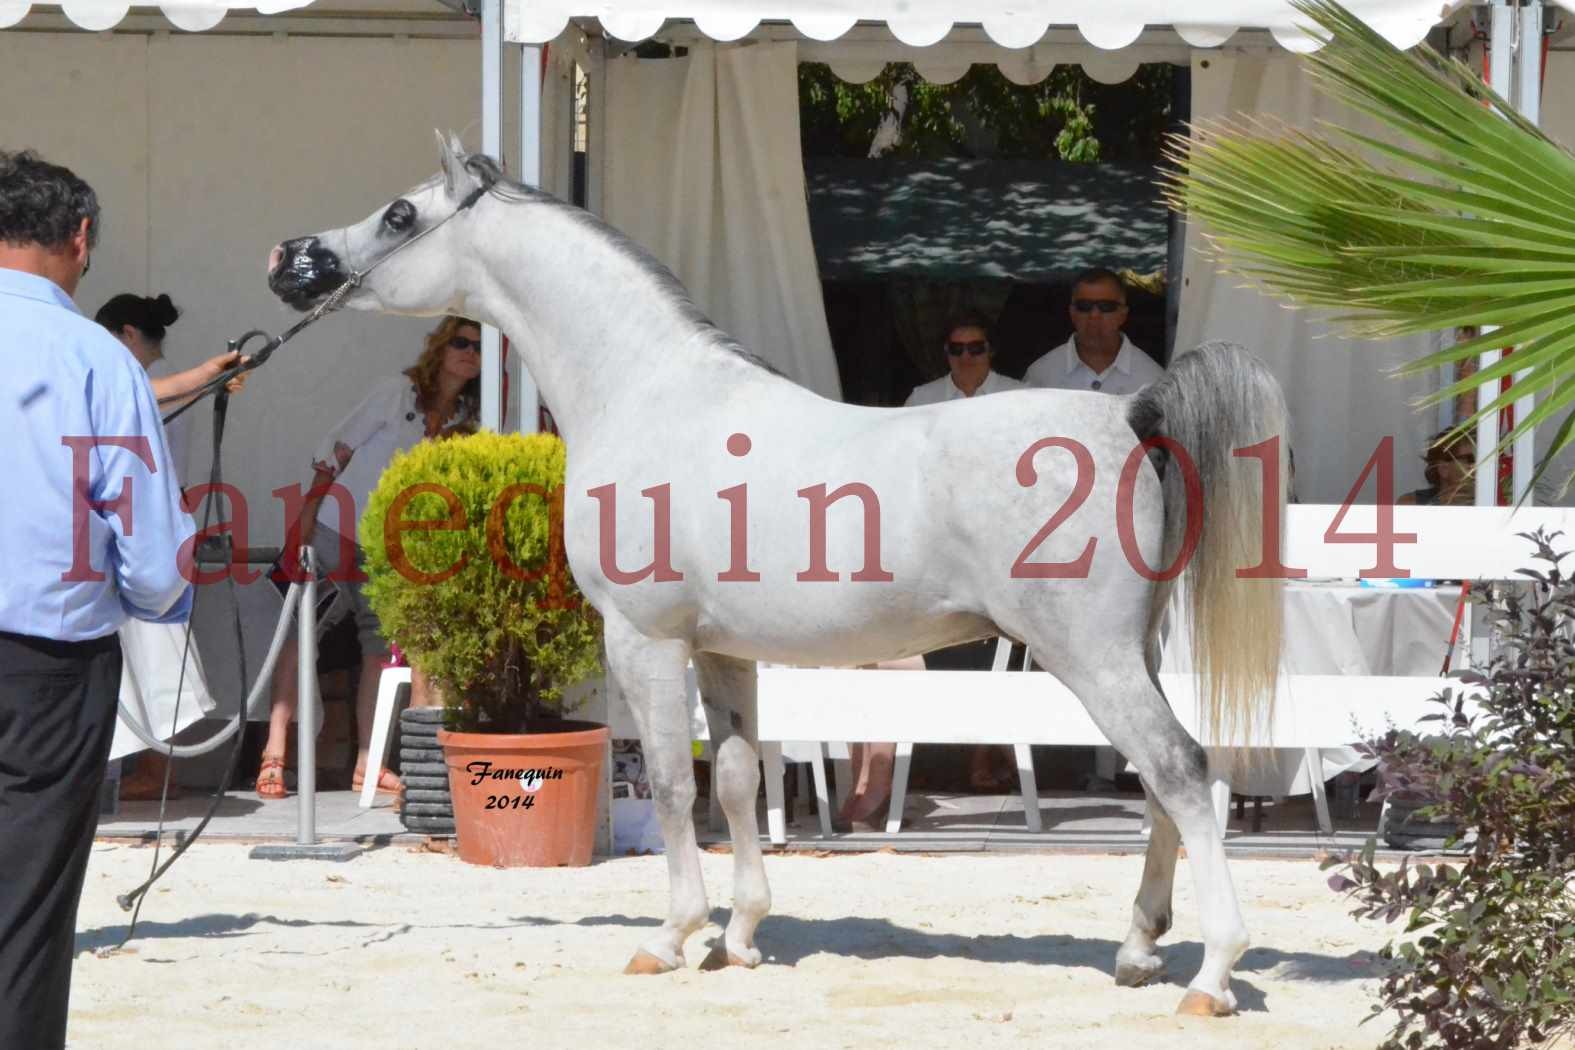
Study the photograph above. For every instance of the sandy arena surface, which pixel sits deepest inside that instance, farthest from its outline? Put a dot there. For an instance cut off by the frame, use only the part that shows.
(407, 948)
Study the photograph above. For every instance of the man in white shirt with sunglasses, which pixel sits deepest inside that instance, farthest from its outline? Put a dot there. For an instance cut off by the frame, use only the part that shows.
(1099, 356)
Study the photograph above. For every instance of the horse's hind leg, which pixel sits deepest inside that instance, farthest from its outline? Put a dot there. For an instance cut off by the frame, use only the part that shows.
(1136, 962)
(652, 676)
(728, 690)
(1135, 716)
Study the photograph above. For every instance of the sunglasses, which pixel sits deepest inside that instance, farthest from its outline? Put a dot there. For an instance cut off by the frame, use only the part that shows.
(1104, 306)
(459, 342)
(975, 348)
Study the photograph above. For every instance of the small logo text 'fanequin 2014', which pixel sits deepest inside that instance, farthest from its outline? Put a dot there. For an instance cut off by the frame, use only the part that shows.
(529, 779)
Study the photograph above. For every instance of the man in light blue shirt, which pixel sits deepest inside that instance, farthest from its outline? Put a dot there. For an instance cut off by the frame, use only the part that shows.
(90, 532)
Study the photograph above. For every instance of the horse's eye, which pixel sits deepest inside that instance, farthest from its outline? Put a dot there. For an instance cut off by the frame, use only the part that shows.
(400, 216)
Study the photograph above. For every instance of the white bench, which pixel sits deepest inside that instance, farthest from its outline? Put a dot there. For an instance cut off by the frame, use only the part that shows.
(814, 706)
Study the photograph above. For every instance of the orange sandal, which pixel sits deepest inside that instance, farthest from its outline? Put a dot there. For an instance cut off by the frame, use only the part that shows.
(387, 782)
(270, 778)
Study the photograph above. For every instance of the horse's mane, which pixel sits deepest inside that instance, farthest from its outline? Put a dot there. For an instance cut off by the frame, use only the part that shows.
(501, 186)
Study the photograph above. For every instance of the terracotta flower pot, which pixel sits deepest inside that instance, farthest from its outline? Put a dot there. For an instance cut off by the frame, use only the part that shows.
(526, 799)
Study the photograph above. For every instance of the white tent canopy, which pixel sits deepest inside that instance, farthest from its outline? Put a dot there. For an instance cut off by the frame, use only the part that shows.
(1108, 24)
(191, 15)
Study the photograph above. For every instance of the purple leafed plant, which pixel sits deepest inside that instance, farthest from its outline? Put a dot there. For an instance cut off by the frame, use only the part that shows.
(1487, 956)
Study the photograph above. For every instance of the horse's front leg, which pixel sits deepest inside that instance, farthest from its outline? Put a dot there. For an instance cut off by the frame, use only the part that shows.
(651, 675)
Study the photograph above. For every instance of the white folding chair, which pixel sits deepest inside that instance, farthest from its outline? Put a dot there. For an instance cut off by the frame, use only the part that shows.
(388, 683)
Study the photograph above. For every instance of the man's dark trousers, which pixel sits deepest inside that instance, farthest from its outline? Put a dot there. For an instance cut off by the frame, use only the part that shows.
(57, 720)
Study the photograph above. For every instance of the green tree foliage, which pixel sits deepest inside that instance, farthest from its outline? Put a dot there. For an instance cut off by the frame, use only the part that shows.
(479, 593)
(1067, 116)
(1487, 960)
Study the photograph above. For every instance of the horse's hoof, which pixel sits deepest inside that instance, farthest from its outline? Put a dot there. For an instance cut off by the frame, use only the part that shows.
(1202, 1004)
(720, 958)
(1133, 975)
(646, 963)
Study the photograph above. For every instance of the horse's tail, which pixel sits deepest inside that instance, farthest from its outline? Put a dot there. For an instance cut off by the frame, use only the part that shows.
(1215, 401)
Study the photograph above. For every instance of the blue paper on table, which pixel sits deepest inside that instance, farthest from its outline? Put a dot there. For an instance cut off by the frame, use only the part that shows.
(1396, 584)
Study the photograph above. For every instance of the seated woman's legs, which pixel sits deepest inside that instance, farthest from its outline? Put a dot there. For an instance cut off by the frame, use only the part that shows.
(422, 692)
(992, 768)
(282, 699)
(872, 764)
(871, 770)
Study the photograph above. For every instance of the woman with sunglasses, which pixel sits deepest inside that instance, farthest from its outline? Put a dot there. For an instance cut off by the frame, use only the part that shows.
(969, 355)
(968, 359)
(1447, 470)
(438, 396)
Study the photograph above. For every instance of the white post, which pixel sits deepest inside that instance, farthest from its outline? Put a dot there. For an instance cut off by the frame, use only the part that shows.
(1528, 100)
(1500, 56)
(306, 704)
(492, 145)
(530, 174)
(530, 114)
(596, 149)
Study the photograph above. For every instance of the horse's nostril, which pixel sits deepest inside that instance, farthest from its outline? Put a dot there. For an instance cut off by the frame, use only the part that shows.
(275, 257)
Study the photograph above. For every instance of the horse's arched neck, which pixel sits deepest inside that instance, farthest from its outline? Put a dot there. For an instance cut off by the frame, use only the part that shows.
(588, 320)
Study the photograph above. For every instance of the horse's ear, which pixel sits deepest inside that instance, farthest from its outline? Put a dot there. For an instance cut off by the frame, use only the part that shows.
(448, 160)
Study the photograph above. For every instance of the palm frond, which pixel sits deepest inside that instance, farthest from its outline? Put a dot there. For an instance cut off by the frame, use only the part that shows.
(1462, 214)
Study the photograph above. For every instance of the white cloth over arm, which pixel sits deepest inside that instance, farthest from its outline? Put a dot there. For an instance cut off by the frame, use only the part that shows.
(704, 170)
(358, 449)
(150, 676)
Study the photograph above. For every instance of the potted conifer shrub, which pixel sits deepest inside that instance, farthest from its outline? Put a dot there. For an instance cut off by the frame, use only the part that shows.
(467, 574)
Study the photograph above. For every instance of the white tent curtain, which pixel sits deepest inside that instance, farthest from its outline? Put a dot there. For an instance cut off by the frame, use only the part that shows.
(703, 169)
(1341, 401)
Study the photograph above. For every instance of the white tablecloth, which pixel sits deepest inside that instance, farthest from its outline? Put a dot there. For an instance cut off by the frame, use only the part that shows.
(1337, 628)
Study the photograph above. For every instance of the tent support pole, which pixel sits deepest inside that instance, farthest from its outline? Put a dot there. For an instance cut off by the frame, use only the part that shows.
(530, 174)
(1501, 54)
(1528, 100)
(492, 146)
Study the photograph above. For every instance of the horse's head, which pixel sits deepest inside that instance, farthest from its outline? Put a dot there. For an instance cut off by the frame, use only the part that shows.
(404, 250)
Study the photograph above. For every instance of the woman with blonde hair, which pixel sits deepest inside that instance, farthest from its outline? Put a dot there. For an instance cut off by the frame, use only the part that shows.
(438, 396)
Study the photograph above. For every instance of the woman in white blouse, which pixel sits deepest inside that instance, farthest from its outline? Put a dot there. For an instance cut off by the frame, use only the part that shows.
(439, 395)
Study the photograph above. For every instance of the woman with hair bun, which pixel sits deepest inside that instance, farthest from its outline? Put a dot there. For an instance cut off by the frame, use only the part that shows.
(140, 322)
(150, 681)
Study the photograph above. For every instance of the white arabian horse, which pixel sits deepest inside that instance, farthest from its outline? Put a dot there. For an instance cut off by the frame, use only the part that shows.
(718, 513)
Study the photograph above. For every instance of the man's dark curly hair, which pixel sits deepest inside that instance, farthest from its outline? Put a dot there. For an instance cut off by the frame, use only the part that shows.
(43, 203)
